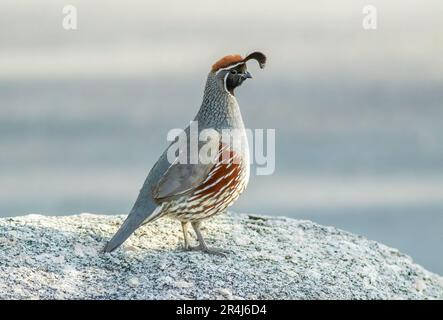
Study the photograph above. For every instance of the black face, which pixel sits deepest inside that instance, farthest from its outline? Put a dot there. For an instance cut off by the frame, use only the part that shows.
(236, 76)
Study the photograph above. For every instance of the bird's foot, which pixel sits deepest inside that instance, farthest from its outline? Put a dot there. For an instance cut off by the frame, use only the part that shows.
(202, 246)
(206, 249)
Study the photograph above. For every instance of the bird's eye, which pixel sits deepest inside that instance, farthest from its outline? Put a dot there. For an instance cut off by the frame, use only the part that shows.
(233, 71)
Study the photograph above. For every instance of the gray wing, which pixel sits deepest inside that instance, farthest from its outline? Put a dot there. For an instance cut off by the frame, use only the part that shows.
(181, 179)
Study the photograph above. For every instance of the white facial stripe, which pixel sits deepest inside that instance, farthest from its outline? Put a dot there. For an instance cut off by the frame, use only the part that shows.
(224, 82)
(230, 67)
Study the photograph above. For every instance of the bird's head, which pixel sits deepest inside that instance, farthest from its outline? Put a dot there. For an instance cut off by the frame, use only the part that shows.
(231, 71)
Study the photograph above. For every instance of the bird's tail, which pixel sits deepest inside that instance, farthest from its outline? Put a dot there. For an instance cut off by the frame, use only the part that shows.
(133, 221)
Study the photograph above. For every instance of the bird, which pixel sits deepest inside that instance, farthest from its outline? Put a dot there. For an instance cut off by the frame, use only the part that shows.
(192, 192)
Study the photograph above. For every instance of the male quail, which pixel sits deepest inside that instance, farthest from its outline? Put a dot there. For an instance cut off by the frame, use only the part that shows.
(193, 192)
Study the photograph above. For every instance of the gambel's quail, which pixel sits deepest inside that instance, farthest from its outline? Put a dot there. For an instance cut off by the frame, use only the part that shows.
(192, 191)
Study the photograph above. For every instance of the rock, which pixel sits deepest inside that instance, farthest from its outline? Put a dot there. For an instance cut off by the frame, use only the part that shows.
(268, 258)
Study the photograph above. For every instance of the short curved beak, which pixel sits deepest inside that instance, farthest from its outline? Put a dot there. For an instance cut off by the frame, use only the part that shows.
(247, 75)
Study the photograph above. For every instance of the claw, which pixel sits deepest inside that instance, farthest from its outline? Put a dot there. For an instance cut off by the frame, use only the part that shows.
(209, 250)
(202, 246)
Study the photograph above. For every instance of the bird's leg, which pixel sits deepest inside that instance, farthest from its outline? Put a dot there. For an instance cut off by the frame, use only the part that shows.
(185, 226)
(202, 243)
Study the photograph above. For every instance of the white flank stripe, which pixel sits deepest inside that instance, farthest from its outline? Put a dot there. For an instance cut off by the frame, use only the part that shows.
(209, 186)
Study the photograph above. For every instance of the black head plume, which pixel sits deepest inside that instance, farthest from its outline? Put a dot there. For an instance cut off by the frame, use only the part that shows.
(260, 57)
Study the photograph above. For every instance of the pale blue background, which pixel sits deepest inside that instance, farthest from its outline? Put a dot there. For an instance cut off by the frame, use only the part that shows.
(358, 114)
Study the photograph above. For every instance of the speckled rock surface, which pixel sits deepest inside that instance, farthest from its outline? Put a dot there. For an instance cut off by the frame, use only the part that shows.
(268, 258)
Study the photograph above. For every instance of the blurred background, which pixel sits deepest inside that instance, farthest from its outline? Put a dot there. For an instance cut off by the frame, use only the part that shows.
(358, 113)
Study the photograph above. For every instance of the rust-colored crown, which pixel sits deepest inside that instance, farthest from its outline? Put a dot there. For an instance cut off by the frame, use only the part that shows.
(226, 62)
(236, 58)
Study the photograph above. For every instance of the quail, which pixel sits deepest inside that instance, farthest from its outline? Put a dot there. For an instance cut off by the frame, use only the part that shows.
(192, 191)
